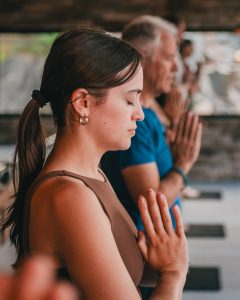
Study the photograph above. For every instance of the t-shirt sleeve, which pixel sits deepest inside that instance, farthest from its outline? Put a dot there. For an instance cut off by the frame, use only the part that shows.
(142, 149)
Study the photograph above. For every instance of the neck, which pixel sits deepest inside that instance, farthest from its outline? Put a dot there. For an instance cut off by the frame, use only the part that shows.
(76, 152)
(160, 113)
(147, 98)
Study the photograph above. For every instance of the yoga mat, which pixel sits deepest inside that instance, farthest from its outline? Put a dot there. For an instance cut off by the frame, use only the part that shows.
(203, 278)
(205, 230)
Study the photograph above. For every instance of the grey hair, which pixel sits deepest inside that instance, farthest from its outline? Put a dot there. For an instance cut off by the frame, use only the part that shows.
(145, 32)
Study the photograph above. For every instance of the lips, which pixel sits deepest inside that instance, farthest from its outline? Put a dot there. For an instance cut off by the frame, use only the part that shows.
(133, 129)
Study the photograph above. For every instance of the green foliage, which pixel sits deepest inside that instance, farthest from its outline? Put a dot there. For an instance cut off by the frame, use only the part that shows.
(35, 44)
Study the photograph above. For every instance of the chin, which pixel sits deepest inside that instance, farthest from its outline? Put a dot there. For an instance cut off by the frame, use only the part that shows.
(167, 89)
(125, 146)
(163, 89)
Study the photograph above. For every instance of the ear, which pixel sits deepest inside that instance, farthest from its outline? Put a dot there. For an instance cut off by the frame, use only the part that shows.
(145, 51)
(80, 101)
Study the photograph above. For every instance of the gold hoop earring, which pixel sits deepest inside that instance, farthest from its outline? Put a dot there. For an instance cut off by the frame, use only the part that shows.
(83, 120)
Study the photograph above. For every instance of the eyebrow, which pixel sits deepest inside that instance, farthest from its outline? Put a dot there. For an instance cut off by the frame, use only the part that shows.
(138, 91)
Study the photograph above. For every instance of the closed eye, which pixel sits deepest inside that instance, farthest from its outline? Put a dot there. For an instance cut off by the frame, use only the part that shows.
(130, 102)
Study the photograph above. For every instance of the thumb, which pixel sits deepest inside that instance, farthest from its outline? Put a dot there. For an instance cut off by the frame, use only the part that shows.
(142, 244)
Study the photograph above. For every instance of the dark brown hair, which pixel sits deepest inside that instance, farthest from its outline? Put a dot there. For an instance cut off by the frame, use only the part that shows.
(86, 58)
(184, 44)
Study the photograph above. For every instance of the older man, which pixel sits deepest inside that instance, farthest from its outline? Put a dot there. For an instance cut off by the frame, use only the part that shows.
(149, 162)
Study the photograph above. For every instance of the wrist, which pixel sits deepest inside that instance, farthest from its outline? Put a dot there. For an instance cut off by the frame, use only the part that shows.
(186, 167)
(180, 171)
(176, 277)
(170, 285)
(173, 125)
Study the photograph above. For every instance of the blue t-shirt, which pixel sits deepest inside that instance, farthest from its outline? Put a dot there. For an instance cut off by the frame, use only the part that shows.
(148, 145)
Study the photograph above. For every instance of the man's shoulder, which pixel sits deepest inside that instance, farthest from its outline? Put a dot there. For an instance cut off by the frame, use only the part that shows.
(149, 125)
(148, 113)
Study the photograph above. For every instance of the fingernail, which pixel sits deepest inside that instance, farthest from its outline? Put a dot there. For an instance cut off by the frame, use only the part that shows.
(161, 196)
(142, 200)
(176, 208)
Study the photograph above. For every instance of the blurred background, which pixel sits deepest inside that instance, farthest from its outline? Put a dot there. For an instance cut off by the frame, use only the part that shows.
(27, 29)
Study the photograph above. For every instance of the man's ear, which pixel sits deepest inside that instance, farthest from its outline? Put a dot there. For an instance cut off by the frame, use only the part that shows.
(80, 102)
(145, 51)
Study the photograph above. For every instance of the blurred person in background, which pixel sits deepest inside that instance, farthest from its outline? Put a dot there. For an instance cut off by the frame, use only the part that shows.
(173, 106)
(190, 77)
(180, 25)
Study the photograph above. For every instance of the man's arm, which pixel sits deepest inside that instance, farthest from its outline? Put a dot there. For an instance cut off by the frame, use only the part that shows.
(140, 177)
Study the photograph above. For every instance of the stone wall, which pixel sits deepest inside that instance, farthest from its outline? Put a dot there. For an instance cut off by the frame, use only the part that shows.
(220, 153)
(44, 15)
(9, 124)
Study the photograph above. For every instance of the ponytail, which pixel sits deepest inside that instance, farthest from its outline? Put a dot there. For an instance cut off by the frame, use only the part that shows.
(28, 161)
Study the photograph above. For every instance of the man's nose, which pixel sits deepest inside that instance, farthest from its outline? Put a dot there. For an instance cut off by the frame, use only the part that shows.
(174, 66)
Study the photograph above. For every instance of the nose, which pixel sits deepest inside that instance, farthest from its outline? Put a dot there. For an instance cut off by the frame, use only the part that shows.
(138, 114)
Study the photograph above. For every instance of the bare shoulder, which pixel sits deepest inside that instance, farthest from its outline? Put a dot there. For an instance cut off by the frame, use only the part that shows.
(64, 194)
(64, 187)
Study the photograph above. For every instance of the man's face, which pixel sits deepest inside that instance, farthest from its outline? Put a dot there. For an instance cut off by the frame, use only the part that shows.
(162, 65)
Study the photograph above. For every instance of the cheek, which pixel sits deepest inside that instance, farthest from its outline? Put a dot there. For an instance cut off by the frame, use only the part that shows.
(166, 75)
(167, 69)
(116, 117)
(161, 67)
(162, 70)
(161, 78)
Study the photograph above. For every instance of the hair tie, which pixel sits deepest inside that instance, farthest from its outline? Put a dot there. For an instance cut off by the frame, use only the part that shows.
(39, 97)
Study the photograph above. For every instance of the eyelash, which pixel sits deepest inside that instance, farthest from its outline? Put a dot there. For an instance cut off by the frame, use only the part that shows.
(130, 103)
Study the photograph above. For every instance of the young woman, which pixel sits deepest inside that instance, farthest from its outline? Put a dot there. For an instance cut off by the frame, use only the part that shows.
(65, 206)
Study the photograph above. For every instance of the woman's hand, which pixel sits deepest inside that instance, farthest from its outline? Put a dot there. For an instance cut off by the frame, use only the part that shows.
(164, 248)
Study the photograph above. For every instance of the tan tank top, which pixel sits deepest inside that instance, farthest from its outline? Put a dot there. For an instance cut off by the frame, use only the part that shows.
(123, 229)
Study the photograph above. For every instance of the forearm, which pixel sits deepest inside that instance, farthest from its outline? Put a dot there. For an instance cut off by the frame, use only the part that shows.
(170, 287)
(171, 186)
